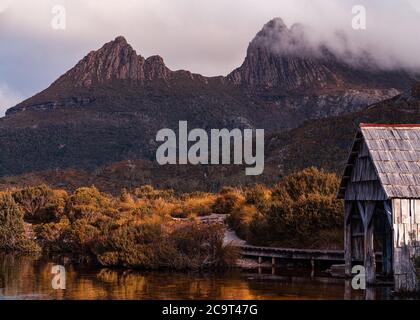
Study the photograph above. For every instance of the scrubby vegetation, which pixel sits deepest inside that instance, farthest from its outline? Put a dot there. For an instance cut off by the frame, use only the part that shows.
(149, 228)
(300, 211)
(13, 236)
(136, 229)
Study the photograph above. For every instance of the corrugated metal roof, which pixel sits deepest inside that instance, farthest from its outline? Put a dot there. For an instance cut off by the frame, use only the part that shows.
(395, 152)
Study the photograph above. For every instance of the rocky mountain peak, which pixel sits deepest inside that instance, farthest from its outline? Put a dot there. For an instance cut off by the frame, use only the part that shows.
(283, 58)
(116, 60)
(121, 40)
(277, 38)
(275, 25)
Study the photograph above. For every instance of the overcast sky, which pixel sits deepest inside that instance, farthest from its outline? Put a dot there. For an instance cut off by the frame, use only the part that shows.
(204, 36)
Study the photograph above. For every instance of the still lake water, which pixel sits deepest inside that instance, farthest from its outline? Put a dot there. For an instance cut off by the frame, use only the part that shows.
(23, 277)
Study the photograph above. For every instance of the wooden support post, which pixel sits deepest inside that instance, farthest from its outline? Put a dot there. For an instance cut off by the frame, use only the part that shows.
(387, 241)
(357, 232)
(259, 260)
(273, 261)
(369, 256)
(347, 238)
(370, 293)
(386, 248)
(387, 254)
(312, 267)
(347, 289)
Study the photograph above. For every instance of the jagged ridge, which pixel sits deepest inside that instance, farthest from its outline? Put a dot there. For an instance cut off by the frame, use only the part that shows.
(116, 60)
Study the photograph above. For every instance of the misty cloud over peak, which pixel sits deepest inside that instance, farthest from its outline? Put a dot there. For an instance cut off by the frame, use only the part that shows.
(281, 40)
(303, 41)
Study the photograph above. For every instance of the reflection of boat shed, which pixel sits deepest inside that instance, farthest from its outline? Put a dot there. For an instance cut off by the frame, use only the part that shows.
(381, 189)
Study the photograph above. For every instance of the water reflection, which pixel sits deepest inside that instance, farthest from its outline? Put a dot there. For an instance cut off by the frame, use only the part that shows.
(23, 277)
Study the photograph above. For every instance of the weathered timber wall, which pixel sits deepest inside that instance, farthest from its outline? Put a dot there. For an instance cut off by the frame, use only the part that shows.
(364, 183)
(406, 243)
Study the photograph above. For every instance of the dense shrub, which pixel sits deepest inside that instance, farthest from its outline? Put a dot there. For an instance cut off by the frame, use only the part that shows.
(200, 245)
(301, 211)
(257, 195)
(86, 203)
(241, 219)
(198, 204)
(135, 230)
(182, 246)
(50, 235)
(227, 201)
(41, 203)
(13, 236)
(148, 192)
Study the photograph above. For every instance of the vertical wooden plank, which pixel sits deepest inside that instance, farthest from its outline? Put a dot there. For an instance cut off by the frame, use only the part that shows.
(405, 207)
(418, 234)
(358, 247)
(370, 293)
(395, 235)
(417, 210)
(388, 213)
(347, 289)
(401, 235)
(347, 238)
(404, 272)
(407, 238)
(362, 212)
(412, 211)
(396, 204)
(387, 248)
(369, 255)
(369, 258)
(396, 262)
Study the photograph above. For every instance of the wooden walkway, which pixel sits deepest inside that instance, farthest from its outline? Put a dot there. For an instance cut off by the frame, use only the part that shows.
(281, 254)
(292, 254)
(333, 256)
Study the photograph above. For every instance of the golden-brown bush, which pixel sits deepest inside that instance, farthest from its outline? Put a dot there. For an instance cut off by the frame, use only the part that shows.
(41, 203)
(136, 228)
(87, 203)
(13, 236)
(297, 213)
(228, 200)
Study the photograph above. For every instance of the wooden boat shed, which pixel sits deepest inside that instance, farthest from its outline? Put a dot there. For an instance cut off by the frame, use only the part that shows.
(381, 190)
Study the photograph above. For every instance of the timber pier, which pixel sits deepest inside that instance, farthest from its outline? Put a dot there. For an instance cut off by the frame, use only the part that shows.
(288, 254)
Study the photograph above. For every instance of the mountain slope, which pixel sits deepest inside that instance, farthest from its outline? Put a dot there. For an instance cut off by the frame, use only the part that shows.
(326, 142)
(323, 143)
